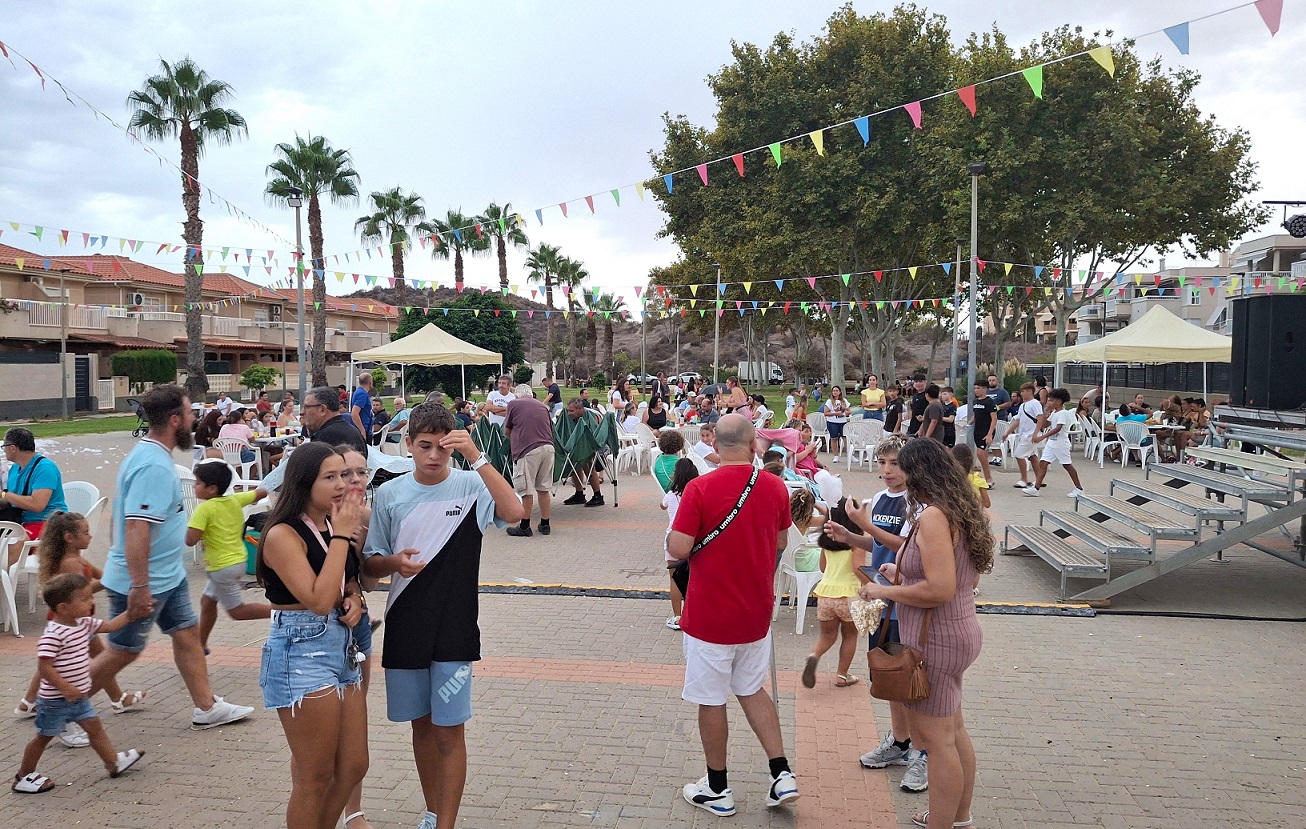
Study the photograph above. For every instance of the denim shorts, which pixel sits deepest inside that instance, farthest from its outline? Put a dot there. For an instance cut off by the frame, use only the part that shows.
(304, 653)
(876, 414)
(362, 633)
(443, 692)
(835, 429)
(172, 612)
(53, 715)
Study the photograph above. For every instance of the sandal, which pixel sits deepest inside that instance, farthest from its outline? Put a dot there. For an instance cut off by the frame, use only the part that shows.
(25, 708)
(121, 706)
(32, 784)
(923, 819)
(809, 671)
(126, 759)
(844, 680)
(354, 816)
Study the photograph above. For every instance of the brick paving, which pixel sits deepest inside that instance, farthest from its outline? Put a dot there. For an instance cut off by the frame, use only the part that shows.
(1114, 721)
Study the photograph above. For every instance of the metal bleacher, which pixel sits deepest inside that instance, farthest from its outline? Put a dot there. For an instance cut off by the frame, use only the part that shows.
(1207, 507)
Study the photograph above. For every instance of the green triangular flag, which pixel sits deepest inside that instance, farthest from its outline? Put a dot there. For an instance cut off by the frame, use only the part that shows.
(317, 306)
(503, 227)
(775, 153)
(199, 267)
(1034, 75)
(616, 197)
(846, 277)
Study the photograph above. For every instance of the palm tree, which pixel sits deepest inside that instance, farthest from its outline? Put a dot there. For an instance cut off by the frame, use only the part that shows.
(393, 215)
(572, 274)
(500, 223)
(455, 234)
(611, 306)
(544, 263)
(184, 102)
(314, 168)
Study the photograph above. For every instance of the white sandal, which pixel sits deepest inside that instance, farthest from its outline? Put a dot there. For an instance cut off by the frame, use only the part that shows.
(32, 784)
(126, 759)
(924, 820)
(354, 816)
(25, 708)
(121, 707)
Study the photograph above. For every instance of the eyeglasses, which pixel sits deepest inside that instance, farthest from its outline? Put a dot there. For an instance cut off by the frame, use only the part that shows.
(8, 445)
(308, 406)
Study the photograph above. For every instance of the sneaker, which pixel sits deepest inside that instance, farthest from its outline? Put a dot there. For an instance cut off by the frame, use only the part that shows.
(596, 501)
(784, 788)
(74, 736)
(1022, 484)
(125, 760)
(809, 671)
(1074, 493)
(718, 803)
(222, 713)
(578, 498)
(428, 821)
(673, 622)
(835, 459)
(995, 461)
(885, 754)
(1031, 491)
(916, 778)
(544, 529)
(520, 532)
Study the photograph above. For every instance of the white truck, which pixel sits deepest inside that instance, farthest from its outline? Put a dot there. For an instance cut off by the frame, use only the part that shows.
(758, 373)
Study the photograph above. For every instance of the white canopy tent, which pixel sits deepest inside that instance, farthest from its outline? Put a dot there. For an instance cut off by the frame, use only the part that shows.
(1157, 337)
(430, 346)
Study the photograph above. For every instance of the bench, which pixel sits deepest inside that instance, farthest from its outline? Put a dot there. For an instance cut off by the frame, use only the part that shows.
(1056, 551)
(1247, 460)
(1255, 489)
(1157, 524)
(1101, 538)
(1204, 508)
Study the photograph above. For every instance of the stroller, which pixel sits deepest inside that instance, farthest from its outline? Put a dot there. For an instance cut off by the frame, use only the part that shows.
(142, 425)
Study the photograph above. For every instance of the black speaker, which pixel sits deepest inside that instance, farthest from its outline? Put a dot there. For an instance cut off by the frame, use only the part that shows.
(1269, 351)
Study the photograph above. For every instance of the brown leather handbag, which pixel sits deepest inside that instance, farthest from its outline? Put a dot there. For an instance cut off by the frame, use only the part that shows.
(897, 671)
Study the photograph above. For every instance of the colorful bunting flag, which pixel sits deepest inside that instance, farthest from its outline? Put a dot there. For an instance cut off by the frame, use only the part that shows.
(914, 110)
(1105, 59)
(738, 158)
(702, 173)
(1034, 76)
(1178, 35)
(863, 125)
(967, 96)
(818, 141)
(775, 153)
(1271, 12)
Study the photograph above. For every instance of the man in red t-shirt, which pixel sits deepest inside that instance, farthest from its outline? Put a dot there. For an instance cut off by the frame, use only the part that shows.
(727, 615)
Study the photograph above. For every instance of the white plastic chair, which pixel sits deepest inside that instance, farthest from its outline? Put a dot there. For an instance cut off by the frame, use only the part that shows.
(231, 449)
(862, 436)
(819, 431)
(700, 463)
(11, 533)
(1077, 433)
(80, 496)
(1131, 436)
(798, 583)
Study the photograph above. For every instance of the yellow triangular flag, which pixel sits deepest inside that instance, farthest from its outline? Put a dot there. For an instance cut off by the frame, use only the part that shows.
(639, 189)
(1104, 58)
(912, 272)
(1007, 265)
(748, 286)
(476, 312)
(693, 290)
(818, 139)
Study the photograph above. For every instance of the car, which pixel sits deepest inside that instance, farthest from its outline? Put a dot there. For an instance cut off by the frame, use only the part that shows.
(635, 378)
(687, 376)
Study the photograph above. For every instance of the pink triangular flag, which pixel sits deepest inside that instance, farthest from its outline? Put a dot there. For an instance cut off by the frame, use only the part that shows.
(967, 96)
(811, 281)
(563, 207)
(914, 110)
(1271, 12)
(702, 173)
(738, 158)
(590, 201)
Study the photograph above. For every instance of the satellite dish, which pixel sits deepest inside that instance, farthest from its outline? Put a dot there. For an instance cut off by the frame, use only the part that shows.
(1296, 226)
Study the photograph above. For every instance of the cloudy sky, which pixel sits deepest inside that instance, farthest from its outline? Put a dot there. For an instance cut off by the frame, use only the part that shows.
(531, 103)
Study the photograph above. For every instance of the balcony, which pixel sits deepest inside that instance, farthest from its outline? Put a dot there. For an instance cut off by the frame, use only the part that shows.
(83, 317)
(1090, 312)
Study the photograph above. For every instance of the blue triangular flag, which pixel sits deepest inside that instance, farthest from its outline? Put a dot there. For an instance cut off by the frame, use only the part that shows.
(721, 288)
(1038, 271)
(779, 284)
(539, 215)
(1178, 35)
(947, 268)
(46, 264)
(458, 235)
(863, 125)
(446, 311)
(667, 179)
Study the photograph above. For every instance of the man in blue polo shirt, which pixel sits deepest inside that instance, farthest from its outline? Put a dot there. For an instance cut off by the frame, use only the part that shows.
(145, 572)
(360, 406)
(35, 484)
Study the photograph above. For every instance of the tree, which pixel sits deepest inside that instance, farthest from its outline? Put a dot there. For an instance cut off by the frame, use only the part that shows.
(258, 377)
(502, 226)
(571, 276)
(543, 264)
(393, 216)
(184, 102)
(452, 236)
(493, 328)
(608, 306)
(314, 168)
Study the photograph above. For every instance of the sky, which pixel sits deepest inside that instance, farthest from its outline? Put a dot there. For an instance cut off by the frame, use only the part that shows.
(530, 103)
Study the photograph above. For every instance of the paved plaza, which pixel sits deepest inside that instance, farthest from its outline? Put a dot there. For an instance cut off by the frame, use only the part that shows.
(1118, 721)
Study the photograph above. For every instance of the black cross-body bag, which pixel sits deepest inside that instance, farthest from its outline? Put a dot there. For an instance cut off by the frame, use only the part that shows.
(15, 514)
(680, 569)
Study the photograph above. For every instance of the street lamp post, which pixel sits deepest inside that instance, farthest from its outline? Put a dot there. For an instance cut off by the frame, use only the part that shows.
(716, 333)
(956, 308)
(63, 347)
(976, 170)
(295, 198)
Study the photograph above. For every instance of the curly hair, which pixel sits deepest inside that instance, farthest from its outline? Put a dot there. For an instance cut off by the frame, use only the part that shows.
(935, 479)
(54, 542)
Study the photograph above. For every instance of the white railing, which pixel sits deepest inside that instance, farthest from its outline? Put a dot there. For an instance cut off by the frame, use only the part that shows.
(159, 316)
(89, 316)
(224, 326)
(1299, 270)
(1089, 312)
(80, 316)
(41, 313)
(116, 312)
(104, 393)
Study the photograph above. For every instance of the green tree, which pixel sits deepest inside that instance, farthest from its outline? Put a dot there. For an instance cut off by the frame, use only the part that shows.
(392, 218)
(314, 168)
(258, 377)
(453, 236)
(493, 328)
(502, 226)
(571, 276)
(183, 102)
(542, 265)
(611, 308)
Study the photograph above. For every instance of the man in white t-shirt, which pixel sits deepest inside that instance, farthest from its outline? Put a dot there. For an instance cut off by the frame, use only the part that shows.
(1056, 439)
(706, 446)
(1024, 420)
(496, 402)
(225, 404)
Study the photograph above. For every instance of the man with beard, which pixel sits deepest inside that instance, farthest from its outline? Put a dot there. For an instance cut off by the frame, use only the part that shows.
(1002, 398)
(145, 572)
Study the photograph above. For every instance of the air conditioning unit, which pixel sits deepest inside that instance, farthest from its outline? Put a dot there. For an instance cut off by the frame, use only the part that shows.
(137, 300)
(275, 312)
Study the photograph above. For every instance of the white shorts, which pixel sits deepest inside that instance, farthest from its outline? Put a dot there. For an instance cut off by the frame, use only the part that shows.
(1024, 447)
(714, 672)
(1057, 453)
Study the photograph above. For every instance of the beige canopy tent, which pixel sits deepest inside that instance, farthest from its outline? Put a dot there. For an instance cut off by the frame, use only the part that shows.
(430, 346)
(1157, 337)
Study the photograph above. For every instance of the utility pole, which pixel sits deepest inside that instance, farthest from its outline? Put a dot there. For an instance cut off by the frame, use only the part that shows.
(63, 347)
(716, 334)
(976, 170)
(956, 308)
(296, 200)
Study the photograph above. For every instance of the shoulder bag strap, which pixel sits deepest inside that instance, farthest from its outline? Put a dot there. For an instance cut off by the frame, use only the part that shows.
(888, 608)
(730, 516)
(26, 483)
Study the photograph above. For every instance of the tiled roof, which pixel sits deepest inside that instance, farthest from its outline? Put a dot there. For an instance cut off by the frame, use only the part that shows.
(120, 342)
(9, 256)
(355, 304)
(231, 345)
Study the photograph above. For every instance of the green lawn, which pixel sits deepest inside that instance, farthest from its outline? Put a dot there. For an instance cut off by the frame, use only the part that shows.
(82, 426)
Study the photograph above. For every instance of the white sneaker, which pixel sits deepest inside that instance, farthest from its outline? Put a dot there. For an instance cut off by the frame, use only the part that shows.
(1074, 493)
(885, 754)
(835, 459)
(916, 778)
(784, 788)
(125, 760)
(428, 821)
(74, 736)
(701, 795)
(1031, 491)
(222, 713)
(1022, 484)
(673, 622)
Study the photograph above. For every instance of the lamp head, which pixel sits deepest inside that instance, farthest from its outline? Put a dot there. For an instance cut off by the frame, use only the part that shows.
(294, 197)
(978, 168)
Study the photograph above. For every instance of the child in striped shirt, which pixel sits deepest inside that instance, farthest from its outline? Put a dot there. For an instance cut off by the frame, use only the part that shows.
(64, 660)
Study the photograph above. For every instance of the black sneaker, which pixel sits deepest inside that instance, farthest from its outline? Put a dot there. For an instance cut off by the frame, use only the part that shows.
(520, 532)
(596, 501)
(544, 529)
(578, 498)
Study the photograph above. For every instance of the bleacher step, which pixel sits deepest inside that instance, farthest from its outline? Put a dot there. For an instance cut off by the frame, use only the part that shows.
(1159, 525)
(1069, 560)
(1205, 509)
(1100, 537)
(1222, 482)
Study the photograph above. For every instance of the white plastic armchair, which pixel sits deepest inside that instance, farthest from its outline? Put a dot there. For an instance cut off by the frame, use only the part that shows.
(1132, 436)
(798, 583)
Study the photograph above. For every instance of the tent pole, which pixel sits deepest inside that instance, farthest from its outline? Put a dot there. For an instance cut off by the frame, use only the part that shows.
(462, 368)
(403, 383)
(1204, 393)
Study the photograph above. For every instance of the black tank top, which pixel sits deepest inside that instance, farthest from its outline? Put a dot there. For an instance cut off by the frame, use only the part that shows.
(657, 420)
(275, 588)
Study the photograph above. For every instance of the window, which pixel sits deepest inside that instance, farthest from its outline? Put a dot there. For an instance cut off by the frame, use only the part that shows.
(1193, 296)
(151, 303)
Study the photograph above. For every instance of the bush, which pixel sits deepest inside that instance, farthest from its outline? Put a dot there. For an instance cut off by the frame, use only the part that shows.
(148, 365)
(258, 377)
(522, 374)
(380, 378)
(598, 381)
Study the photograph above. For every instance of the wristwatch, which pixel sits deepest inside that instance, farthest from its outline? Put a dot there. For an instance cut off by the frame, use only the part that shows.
(479, 462)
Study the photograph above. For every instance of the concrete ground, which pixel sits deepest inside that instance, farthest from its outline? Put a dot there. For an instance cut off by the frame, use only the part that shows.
(1115, 721)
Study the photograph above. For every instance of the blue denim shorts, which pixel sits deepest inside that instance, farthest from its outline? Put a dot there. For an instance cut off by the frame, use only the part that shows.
(304, 653)
(53, 715)
(362, 633)
(443, 692)
(835, 430)
(876, 414)
(172, 612)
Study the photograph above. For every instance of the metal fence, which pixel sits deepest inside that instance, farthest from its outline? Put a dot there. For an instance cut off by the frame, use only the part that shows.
(1179, 377)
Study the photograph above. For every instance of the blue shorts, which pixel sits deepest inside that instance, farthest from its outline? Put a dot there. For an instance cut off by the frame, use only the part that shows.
(362, 633)
(172, 612)
(53, 715)
(444, 692)
(304, 653)
(877, 414)
(835, 430)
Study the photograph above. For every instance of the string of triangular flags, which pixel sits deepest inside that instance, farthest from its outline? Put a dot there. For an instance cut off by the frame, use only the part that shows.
(103, 242)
